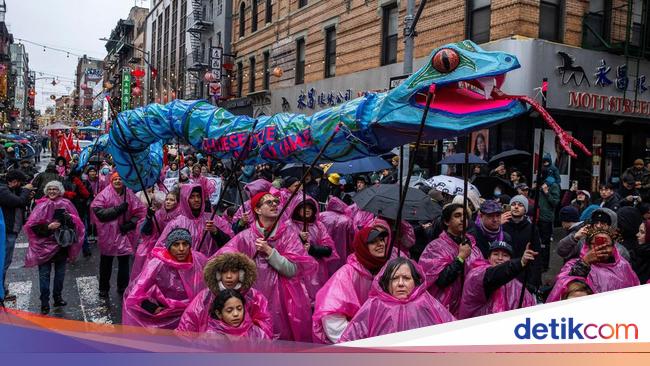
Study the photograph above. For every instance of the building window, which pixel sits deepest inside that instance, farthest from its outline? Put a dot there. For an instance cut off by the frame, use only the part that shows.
(267, 74)
(219, 39)
(251, 76)
(330, 52)
(478, 26)
(240, 78)
(302, 3)
(389, 34)
(597, 21)
(242, 18)
(550, 13)
(300, 61)
(219, 7)
(254, 16)
(269, 11)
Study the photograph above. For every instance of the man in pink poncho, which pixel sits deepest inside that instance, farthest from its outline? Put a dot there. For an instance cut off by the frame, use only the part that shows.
(491, 286)
(341, 229)
(281, 263)
(206, 184)
(600, 266)
(169, 281)
(347, 290)
(243, 217)
(398, 301)
(197, 221)
(149, 229)
(115, 213)
(315, 239)
(52, 214)
(228, 271)
(447, 259)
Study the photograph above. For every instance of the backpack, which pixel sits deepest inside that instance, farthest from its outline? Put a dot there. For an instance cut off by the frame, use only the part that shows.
(65, 236)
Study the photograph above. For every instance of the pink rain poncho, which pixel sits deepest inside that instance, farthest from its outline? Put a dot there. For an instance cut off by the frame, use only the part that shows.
(289, 303)
(196, 225)
(41, 249)
(317, 236)
(341, 229)
(166, 282)
(474, 303)
(602, 277)
(111, 242)
(143, 252)
(247, 329)
(208, 186)
(436, 256)
(384, 314)
(252, 188)
(97, 185)
(343, 294)
(362, 219)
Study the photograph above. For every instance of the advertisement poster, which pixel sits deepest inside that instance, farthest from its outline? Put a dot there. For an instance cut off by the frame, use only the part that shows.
(559, 157)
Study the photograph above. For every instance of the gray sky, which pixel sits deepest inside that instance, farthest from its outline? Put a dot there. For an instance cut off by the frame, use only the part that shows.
(73, 25)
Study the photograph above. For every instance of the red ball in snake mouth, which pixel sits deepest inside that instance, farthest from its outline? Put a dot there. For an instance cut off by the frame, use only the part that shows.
(446, 60)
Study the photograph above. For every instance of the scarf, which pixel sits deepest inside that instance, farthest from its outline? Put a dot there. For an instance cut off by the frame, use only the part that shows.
(367, 260)
(489, 234)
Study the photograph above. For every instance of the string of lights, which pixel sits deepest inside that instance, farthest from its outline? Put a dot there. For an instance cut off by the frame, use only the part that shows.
(46, 47)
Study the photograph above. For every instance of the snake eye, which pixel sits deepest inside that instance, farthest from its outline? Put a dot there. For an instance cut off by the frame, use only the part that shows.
(446, 60)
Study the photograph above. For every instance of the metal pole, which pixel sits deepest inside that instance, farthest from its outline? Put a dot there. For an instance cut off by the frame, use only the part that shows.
(409, 40)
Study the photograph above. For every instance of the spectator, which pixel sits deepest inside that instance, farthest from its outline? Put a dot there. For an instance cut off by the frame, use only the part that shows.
(609, 198)
(629, 195)
(640, 175)
(576, 197)
(549, 199)
(516, 178)
(487, 227)
(521, 231)
(641, 263)
(500, 171)
(44, 178)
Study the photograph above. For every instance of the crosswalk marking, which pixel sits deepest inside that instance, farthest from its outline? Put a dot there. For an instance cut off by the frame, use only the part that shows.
(92, 307)
(22, 245)
(23, 292)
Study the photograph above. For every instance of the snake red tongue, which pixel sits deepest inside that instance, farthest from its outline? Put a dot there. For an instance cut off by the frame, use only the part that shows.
(565, 139)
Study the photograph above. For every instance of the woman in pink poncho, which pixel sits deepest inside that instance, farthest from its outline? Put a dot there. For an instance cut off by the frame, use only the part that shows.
(169, 281)
(52, 213)
(491, 285)
(228, 271)
(398, 301)
(149, 230)
(197, 221)
(341, 229)
(316, 240)
(347, 290)
(600, 265)
(362, 218)
(446, 261)
(230, 317)
(281, 263)
(115, 213)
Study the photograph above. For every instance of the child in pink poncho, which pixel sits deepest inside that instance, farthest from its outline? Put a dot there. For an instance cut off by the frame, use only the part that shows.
(168, 283)
(229, 317)
(281, 263)
(51, 214)
(445, 261)
(491, 285)
(228, 271)
(341, 229)
(115, 213)
(600, 265)
(398, 301)
(316, 241)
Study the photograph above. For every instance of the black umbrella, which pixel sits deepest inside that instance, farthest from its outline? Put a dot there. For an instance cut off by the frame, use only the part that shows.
(509, 154)
(383, 200)
(460, 159)
(363, 165)
(486, 186)
(297, 170)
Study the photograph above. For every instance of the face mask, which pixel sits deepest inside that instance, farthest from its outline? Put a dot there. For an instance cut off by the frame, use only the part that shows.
(105, 171)
(497, 192)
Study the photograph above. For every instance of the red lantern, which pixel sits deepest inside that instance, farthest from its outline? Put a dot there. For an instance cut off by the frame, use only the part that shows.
(209, 77)
(136, 91)
(277, 72)
(137, 73)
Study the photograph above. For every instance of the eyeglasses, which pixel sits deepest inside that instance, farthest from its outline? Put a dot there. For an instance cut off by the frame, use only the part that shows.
(275, 202)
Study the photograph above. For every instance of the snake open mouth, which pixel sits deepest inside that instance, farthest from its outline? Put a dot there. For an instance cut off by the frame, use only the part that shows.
(466, 97)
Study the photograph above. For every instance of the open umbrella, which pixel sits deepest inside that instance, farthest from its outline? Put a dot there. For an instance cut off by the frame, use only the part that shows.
(486, 185)
(509, 154)
(383, 200)
(450, 185)
(363, 165)
(297, 170)
(460, 159)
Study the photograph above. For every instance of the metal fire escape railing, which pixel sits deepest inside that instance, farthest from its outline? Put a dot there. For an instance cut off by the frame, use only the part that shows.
(199, 22)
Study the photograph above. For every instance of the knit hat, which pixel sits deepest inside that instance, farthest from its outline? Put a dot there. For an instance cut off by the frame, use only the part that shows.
(115, 175)
(520, 199)
(176, 235)
(334, 178)
(490, 207)
(500, 245)
(569, 214)
(289, 181)
(256, 199)
(585, 192)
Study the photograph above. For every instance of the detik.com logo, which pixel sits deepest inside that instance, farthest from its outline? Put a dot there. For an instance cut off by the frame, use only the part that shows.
(569, 328)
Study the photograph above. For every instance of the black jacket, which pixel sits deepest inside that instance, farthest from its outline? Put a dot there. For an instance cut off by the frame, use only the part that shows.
(482, 242)
(42, 179)
(501, 274)
(519, 233)
(13, 202)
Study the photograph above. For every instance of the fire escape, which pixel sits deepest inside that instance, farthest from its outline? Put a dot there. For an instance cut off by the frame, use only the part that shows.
(200, 22)
(622, 30)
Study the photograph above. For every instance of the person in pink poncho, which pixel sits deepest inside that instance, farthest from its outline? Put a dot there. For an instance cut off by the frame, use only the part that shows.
(491, 286)
(228, 271)
(316, 241)
(229, 317)
(149, 230)
(447, 259)
(197, 221)
(243, 217)
(341, 229)
(208, 186)
(281, 263)
(398, 301)
(347, 290)
(115, 213)
(362, 218)
(52, 214)
(169, 281)
(600, 266)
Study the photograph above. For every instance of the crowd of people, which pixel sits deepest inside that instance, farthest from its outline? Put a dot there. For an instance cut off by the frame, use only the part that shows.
(319, 268)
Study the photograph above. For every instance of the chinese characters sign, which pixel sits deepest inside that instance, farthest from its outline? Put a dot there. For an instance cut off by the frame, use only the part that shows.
(126, 89)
